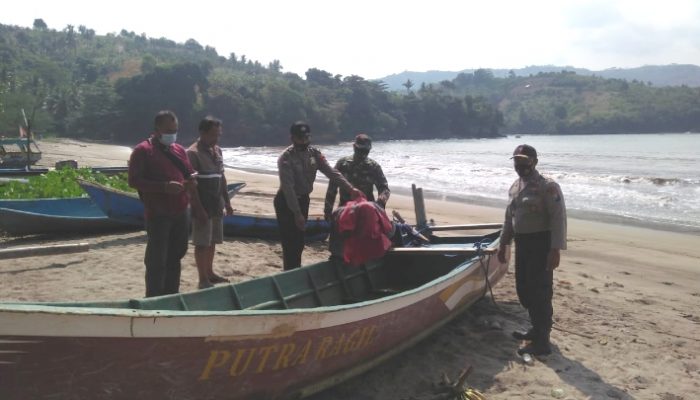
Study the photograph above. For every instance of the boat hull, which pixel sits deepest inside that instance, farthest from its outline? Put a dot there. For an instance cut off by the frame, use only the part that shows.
(234, 355)
(129, 208)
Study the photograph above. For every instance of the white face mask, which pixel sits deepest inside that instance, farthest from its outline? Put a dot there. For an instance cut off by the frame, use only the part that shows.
(168, 138)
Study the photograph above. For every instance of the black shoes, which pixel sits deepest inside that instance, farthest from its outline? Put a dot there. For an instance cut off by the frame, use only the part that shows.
(535, 349)
(529, 335)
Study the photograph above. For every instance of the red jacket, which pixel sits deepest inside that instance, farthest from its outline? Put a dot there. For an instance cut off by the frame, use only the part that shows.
(365, 226)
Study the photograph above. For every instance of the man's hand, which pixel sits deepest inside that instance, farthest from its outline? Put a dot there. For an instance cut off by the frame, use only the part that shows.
(355, 193)
(502, 253)
(327, 215)
(553, 259)
(200, 214)
(381, 200)
(229, 209)
(301, 222)
(173, 187)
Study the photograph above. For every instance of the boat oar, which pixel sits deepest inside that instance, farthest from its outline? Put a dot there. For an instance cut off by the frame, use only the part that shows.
(18, 252)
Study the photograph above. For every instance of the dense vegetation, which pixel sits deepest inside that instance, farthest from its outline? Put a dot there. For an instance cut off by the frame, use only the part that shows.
(61, 183)
(567, 103)
(75, 83)
(79, 84)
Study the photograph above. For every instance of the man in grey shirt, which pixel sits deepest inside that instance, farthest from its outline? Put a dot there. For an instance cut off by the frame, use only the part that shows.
(536, 219)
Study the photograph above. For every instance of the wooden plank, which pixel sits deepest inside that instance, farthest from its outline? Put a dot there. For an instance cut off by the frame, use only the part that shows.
(438, 250)
(419, 206)
(496, 225)
(18, 252)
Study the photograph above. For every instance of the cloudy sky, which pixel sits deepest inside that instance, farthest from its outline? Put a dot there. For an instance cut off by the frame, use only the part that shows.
(380, 37)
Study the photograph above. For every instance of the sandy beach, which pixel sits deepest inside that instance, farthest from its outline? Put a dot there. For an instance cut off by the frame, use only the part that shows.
(626, 301)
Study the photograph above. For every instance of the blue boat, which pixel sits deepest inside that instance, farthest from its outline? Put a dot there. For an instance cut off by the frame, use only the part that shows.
(128, 207)
(71, 215)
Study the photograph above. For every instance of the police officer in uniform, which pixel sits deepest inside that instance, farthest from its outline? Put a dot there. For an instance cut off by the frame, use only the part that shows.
(297, 167)
(363, 173)
(536, 218)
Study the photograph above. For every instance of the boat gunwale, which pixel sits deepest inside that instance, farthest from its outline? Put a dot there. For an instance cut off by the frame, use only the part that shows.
(48, 308)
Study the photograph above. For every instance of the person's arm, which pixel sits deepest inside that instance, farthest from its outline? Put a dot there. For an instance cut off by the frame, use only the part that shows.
(331, 194)
(556, 209)
(382, 185)
(333, 174)
(286, 174)
(189, 161)
(225, 195)
(506, 231)
(137, 176)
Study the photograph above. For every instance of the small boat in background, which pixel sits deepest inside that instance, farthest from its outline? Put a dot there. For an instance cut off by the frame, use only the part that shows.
(71, 215)
(128, 207)
(18, 152)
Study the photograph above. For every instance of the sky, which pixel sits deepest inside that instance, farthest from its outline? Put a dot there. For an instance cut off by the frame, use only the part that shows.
(376, 38)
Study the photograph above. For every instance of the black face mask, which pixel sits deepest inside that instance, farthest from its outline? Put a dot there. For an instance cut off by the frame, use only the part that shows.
(523, 170)
(361, 154)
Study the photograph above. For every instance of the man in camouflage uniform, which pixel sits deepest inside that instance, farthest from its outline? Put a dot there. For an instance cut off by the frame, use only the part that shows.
(363, 173)
(536, 218)
(297, 167)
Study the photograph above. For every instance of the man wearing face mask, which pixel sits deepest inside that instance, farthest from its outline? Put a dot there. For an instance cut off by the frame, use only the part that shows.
(297, 167)
(363, 173)
(536, 218)
(161, 172)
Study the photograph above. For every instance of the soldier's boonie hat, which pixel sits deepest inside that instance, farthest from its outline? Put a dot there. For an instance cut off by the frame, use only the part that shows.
(300, 128)
(363, 141)
(525, 151)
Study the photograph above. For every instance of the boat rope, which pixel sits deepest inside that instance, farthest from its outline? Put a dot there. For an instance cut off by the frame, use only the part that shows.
(480, 246)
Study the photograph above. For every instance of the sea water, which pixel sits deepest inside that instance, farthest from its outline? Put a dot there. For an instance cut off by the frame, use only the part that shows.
(648, 179)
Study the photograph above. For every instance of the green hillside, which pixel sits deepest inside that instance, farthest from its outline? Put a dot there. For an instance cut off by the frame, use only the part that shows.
(72, 82)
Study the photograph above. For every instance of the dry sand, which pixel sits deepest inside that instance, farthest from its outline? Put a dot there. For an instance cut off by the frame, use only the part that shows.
(627, 302)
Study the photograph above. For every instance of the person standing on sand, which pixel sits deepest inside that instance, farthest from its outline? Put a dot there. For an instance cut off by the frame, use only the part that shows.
(162, 174)
(536, 218)
(362, 172)
(297, 166)
(206, 158)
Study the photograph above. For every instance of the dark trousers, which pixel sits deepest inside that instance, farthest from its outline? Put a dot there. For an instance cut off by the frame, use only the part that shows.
(167, 244)
(533, 281)
(291, 237)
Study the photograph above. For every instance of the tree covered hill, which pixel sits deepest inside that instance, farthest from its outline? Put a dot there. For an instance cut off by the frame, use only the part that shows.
(74, 83)
(568, 103)
(657, 75)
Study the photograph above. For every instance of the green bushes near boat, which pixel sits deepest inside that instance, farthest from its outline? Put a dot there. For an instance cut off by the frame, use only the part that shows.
(61, 183)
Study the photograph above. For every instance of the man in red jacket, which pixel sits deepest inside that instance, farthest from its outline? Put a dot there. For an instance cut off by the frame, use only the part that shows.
(161, 172)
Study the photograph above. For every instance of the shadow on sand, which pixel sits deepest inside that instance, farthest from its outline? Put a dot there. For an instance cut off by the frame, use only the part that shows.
(480, 337)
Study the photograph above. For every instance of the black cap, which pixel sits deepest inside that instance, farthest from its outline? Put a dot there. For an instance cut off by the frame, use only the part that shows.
(363, 141)
(300, 128)
(525, 151)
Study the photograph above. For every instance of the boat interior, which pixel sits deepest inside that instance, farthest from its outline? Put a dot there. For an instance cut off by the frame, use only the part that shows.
(324, 284)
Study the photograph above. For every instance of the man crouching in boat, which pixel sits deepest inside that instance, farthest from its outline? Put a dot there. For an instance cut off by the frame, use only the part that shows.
(536, 218)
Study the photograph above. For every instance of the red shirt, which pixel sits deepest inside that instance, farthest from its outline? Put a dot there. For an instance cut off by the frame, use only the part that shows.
(368, 226)
(150, 169)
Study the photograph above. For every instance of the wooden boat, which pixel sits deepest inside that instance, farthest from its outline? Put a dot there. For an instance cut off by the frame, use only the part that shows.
(283, 336)
(21, 172)
(18, 152)
(127, 207)
(68, 215)
(72, 215)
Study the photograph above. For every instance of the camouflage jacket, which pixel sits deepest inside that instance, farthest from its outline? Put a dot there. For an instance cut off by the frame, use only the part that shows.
(363, 175)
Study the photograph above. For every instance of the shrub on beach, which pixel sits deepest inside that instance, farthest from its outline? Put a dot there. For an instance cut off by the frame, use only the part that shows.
(61, 183)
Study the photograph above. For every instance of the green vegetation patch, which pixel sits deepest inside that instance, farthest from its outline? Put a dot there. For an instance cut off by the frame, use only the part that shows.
(61, 183)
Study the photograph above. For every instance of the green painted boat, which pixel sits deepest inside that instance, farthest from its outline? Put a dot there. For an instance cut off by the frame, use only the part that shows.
(284, 336)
